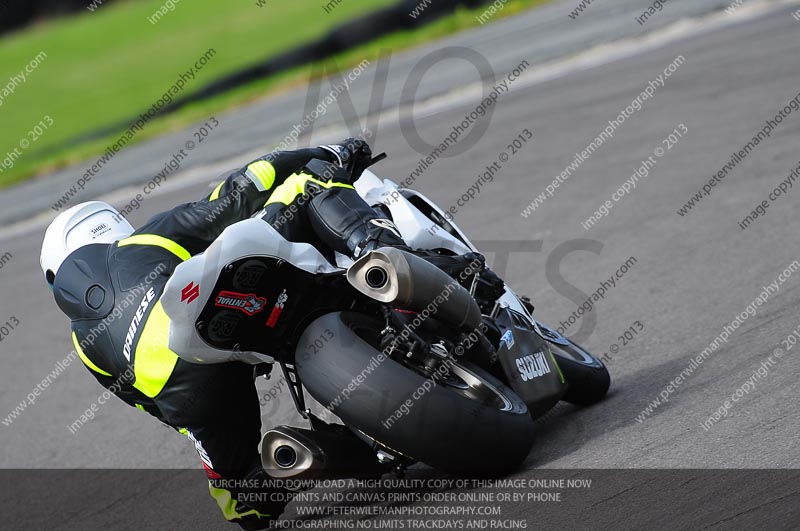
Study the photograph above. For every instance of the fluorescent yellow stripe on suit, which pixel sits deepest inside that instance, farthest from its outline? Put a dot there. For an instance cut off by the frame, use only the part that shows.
(158, 241)
(295, 186)
(84, 358)
(215, 193)
(262, 173)
(153, 361)
(227, 505)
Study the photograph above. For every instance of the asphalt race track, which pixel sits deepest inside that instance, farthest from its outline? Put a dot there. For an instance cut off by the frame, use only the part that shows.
(691, 276)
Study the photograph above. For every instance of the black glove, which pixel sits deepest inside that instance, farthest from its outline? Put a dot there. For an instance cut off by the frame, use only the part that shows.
(352, 154)
(493, 285)
(289, 162)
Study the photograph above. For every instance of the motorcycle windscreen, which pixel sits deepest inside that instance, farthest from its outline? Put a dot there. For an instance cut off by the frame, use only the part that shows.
(530, 368)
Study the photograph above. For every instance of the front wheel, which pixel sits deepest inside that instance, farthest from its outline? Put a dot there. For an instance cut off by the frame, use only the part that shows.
(470, 424)
(587, 378)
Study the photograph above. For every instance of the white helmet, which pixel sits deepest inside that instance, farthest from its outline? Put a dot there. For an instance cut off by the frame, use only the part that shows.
(84, 224)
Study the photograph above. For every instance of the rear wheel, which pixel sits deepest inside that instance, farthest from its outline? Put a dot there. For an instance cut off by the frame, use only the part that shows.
(464, 422)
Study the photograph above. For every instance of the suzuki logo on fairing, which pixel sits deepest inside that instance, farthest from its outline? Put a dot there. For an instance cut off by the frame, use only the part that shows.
(190, 292)
(532, 366)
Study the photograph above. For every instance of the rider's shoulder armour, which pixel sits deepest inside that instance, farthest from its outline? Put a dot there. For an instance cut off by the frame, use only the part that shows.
(82, 287)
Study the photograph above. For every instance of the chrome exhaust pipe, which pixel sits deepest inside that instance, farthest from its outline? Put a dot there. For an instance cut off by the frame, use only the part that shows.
(393, 276)
(302, 454)
(287, 453)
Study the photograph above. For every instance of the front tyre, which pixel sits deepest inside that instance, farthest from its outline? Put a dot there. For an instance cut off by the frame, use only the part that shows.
(587, 378)
(473, 424)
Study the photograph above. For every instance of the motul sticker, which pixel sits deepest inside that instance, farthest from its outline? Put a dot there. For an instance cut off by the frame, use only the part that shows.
(246, 302)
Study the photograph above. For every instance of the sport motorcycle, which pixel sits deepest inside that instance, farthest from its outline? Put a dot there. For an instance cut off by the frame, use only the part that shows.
(419, 366)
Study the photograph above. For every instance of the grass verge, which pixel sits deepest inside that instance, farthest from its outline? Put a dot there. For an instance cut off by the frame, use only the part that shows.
(106, 66)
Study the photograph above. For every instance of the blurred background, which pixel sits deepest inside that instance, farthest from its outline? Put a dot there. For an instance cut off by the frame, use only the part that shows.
(236, 78)
(107, 61)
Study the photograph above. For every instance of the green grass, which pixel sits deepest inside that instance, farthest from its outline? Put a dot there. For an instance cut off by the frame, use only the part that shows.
(107, 66)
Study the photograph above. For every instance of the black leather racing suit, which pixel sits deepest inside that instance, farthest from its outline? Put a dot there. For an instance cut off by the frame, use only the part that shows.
(111, 294)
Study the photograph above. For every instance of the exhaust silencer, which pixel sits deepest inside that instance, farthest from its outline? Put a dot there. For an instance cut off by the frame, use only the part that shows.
(393, 276)
(301, 454)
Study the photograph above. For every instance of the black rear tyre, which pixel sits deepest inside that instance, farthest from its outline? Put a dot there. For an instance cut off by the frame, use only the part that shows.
(449, 428)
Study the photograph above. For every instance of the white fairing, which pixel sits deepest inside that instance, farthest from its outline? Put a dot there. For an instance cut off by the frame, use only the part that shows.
(416, 228)
(421, 232)
(252, 237)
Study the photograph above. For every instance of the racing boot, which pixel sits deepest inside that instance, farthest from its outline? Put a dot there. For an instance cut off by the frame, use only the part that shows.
(347, 224)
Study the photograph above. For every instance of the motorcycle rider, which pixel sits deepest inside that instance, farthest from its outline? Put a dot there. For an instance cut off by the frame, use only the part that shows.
(93, 260)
